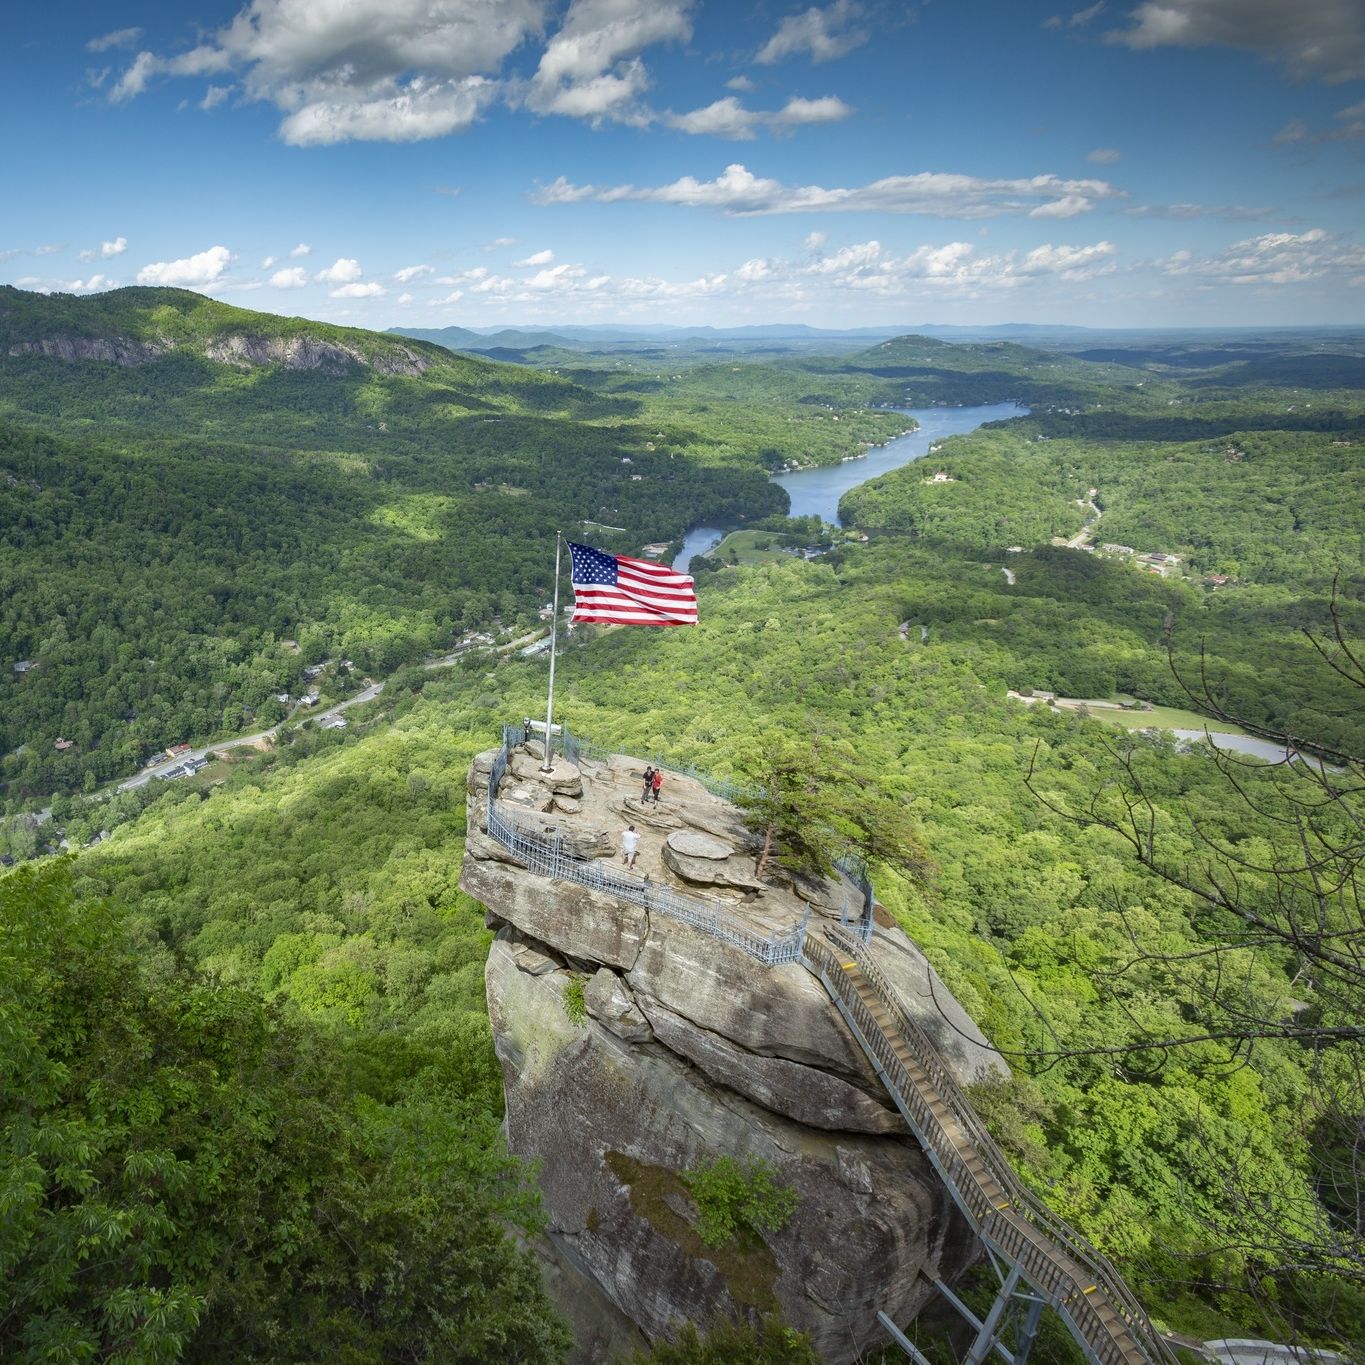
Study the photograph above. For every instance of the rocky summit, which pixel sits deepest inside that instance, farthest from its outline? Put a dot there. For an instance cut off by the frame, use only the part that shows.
(637, 1047)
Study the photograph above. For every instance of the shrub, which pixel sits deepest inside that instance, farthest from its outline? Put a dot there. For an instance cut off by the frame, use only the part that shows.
(737, 1198)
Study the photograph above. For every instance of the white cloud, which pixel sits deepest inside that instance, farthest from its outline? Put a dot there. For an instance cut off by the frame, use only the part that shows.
(538, 258)
(741, 83)
(404, 299)
(739, 193)
(814, 241)
(1187, 212)
(591, 68)
(1350, 119)
(214, 96)
(1078, 20)
(39, 285)
(498, 243)
(206, 267)
(295, 277)
(418, 110)
(389, 70)
(343, 270)
(1323, 38)
(105, 250)
(120, 37)
(479, 272)
(203, 60)
(822, 34)
(413, 272)
(49, 249)
(268, 262)
(1104, 156)
(358, 291)
(728, 118)
(303, 249)
(454, 296)
(1276, 258)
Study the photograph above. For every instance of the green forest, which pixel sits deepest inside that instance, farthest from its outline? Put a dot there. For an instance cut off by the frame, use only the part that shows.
(251, 1021)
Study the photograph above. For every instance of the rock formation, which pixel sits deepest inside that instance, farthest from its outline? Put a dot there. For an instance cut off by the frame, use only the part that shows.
(636, 1048)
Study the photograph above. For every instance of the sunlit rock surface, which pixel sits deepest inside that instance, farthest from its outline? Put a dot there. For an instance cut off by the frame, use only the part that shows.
(635, 1047)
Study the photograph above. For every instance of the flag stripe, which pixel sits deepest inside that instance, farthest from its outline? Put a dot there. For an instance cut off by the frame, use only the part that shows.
(618, 590)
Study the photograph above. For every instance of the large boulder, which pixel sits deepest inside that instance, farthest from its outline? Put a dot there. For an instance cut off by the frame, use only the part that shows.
(704, 860)
(576, 920)
(615, 1125)
(772, 1011)
(803, 1093)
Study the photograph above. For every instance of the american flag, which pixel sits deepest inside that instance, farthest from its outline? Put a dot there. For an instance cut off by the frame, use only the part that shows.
(629, 592)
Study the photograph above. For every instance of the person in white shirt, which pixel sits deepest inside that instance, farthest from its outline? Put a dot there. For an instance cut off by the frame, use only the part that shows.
(630, 846)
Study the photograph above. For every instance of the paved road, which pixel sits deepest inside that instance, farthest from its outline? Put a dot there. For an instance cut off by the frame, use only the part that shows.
(248, 741)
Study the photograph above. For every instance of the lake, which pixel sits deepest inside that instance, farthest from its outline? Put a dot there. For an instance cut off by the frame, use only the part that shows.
(817, 491)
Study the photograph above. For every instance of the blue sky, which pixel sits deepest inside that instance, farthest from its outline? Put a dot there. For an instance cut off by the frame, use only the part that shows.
(490, 162)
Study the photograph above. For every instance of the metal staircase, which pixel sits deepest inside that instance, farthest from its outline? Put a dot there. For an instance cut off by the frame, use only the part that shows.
(1041, 1261)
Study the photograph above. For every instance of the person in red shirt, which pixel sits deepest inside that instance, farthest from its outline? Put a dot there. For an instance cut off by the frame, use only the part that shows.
(656, 783)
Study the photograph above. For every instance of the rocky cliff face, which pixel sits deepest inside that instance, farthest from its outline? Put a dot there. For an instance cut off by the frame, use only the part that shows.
(689, 1049)
(291, 353)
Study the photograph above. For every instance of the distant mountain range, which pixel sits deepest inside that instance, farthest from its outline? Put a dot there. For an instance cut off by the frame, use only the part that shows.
(484, 339)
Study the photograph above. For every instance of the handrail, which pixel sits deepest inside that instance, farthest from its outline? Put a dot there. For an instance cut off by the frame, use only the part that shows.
(1008, 1216)
(1005, 1212)
(547, 856)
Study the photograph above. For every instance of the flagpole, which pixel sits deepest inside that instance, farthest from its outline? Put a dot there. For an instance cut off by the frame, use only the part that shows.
(554, 636)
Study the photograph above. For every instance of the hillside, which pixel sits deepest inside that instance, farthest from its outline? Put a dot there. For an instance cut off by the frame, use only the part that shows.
(185, 486)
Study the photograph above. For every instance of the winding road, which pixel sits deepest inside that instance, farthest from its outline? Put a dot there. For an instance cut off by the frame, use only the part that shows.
(246, 741)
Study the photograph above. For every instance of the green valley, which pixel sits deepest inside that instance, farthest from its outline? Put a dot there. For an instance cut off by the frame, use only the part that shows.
(282, 956)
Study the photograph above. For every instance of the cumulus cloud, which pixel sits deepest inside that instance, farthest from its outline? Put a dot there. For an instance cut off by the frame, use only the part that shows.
(105, 250)
(728, 118)
(295, 277)
(303, 249)
(39, 285)
(1275, 258)
(206, 267)
(820, 34)
(739, 193)
(413, 272)
(1321, 38)
(342, 271)
(418, 110)
(390, 70)
(358, 291)
(498, 243)
(120, 37)
(537, 258)
(214, 96)
(479, 272)
(592, 69)
(854, 271)
(741, 83)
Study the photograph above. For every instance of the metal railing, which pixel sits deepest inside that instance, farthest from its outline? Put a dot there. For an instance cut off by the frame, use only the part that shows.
(575, 748)
(541, 849)
(859, 921)
(1008, 1217)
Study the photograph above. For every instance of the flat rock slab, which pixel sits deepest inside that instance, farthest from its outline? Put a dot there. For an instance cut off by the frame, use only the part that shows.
(693, 845)
(710, 869)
